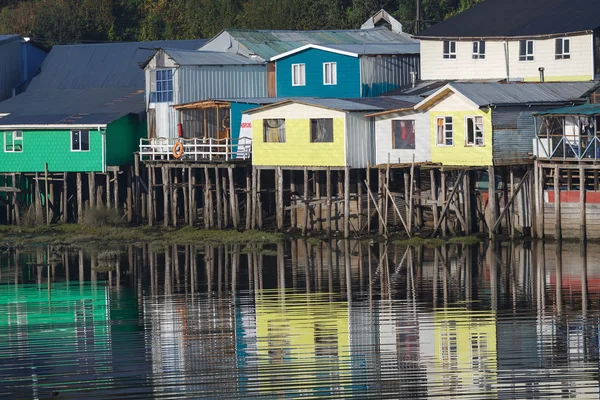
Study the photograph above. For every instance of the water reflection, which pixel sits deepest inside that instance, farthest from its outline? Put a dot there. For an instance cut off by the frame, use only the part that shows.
(330, 320)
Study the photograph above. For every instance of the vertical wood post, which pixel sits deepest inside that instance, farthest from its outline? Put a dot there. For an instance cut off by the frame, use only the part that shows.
(116, 190)
(491, 201)
(185, 186)
(328, 201)
(207, 199)
(279, 197)
(165, 184)
(254, 197)
(92, 189)
(359, 195)
(225, 202)
(582, 210)
(293, 210)
(443, 184)
(151, 196)
(380, 210)
(65, 199)
(318, 207)
(108, 192)
(235, 212)
(259, 210)
(38, 198)
(219, 199)
(249, 200)
(557, 219)
(174, 193)
(467, 202)
(129, 195)
(347, 202)
(368, 198)
(137, 194)
(513, 218)
(46, 194)
(434, 206)
(305, 205)
(79, 198)
(532, 206)
(192, 196)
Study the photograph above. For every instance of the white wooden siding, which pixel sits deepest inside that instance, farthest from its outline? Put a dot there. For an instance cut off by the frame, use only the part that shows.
(383, 139)
(579, 67)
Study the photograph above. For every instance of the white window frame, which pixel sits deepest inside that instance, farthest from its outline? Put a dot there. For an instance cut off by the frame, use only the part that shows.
(301, 75)
(445, 134)
(477, 53)
(332, 73)
(528, 57)
(451, 54)
(89, 142)
(563, 55)
(481, 124)
(14, 133)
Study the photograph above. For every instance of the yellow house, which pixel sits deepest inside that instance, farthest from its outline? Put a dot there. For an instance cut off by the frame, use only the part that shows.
(485, 124)
(317, 132)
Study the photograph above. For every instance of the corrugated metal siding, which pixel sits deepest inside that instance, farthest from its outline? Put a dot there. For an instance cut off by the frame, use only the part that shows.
(11, 67)
(381, 74)
(360, 136)
(209, 82)
(513, 134)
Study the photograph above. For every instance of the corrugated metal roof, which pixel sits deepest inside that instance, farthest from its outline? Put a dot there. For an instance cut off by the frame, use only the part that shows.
(267, 44)
(372, 104)
(500, 18)
(100, 65)
(378, 49)
(484, 94)
(73, 106)
(585, 109)
(8, 38)
(199, 57)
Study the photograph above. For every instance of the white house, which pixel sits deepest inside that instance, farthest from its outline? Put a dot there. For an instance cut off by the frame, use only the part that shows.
(519, 40)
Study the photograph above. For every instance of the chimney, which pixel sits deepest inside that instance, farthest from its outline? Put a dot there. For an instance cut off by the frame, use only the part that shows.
(413, 78)
(541, 69)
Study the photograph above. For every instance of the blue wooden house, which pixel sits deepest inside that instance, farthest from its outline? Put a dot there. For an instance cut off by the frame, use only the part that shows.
(347, 70)
(20, 61)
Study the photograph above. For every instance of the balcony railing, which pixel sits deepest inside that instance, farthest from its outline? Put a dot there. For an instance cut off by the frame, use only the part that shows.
(196, 149)
(567, 147)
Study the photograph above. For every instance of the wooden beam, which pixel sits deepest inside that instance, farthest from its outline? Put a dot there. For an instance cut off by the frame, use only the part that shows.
(447, 205)
(510, 201)
(377, 208)
(408, 232)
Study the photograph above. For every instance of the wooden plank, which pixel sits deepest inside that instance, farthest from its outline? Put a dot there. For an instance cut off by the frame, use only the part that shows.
(582, 229)
(557, 222)
(347, 203)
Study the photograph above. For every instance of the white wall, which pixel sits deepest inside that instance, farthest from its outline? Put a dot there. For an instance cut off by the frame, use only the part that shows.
(383, 139)
(579, 67)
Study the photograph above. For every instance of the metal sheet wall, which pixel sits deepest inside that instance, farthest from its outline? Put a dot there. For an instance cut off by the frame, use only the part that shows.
(381, 74)
(513, 134)
(211, 82)
(360, 136)
(11, 68)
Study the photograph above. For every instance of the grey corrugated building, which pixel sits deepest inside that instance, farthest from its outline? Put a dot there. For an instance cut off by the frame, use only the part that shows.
(20, 61)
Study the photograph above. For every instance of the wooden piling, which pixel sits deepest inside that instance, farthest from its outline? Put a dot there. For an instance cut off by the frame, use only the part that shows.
(79, 198)
(207, 199)
(279, 197)
(254, 197)
(305, 205)
(174, 193)
(249, 201)
(64, 199)
(192, 193)
(328, 201)
(467, 202)
(259, 211)
(37, 198)
(138, 196)
(444, 184)
(219, 199)
(108, 191)
(557, 219)
(92, 189)
(46, 194)
(582, 210)
(368, 181)
(434, 199)
(318, 207)
(491, 201)
(293, 202)
(116, 195)
(151, 196)
(185, 186)
(359, 194)
(235, 215)
(129, 196)
(347, 202)
(165, 184)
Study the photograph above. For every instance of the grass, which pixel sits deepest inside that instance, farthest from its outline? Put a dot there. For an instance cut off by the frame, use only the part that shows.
(436, 242)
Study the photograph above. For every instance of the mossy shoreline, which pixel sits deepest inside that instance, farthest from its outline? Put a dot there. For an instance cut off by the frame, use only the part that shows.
(82, 235)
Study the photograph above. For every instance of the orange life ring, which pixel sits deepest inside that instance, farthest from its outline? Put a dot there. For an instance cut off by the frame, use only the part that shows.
(178, 150)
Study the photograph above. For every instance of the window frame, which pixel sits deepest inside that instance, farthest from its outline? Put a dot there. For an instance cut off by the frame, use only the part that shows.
(163, 95)
(80, 150)
(450, 54)
(527, 57)
(312, 133)
(265, 136)
(13, 141)
(414, 128)
(477, 53)
(482, 124)
(333, 73)
(563, 55)
(302, 77)
(445, 132)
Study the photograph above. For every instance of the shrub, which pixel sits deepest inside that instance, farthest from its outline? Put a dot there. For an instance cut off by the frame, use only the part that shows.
(101, 216)
(29, 219)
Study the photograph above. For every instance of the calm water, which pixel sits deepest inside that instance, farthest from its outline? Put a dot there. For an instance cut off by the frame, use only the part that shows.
(335, 320)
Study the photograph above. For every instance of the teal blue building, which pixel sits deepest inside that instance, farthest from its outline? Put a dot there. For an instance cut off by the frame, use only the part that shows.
(346, 71)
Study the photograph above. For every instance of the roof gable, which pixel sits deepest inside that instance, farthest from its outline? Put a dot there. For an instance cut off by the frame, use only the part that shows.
(519, 18)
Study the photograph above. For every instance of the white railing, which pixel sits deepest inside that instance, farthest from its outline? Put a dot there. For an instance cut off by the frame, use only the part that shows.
(196, 149)
(563, 147)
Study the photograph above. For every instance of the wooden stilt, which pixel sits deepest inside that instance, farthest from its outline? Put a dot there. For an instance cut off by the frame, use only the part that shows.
(207, 199)
(328, 201)
(259, 210)
(92, 189)
(491, 201)
(15, 198)
(368, 183)
(225, 200)
(305, 205)
(174, 193)
(380, 202)
(411, 197)
(467, 202)
(347, 202)
(165, 184)
(532, 206)
(108, 191)
(46, 194)
(79, 198)
(219, 199)
(138, 196)
(318, 207)
(359, 200)
(279, 197)
(582, 224)
(444, 184)
(293, 202)
(512, 222)
(185, 178)
(117, 198)
(65, 199)
(192, 196)
(557, 219)
(434, 199)
(129, 196)
(249, 201)
(235, 213)
(38, 199)
(151, 196)
(254, 198)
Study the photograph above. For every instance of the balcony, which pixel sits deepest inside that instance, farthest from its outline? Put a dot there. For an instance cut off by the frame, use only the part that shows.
(196, 149)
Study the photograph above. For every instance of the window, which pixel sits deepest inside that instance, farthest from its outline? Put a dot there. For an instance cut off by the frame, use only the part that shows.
(164, 86)
(298, 75)
(274, 130)
(80, 140)
(403, 134)
(525, 50)
(479, 50)
(474, 131)
(13, 141)
(445, 131)
(449, 49)
(321, 130)
(330, 73)
(563, 49)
